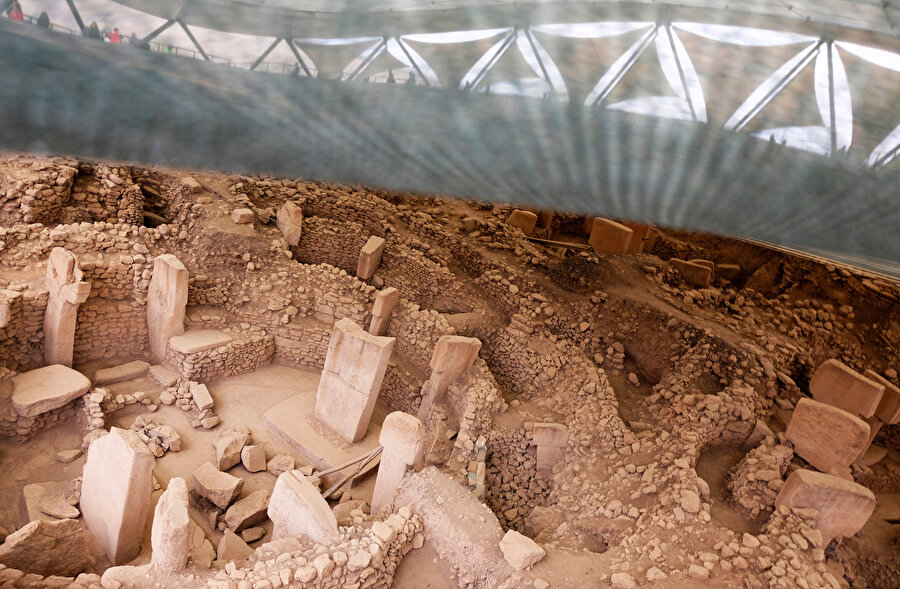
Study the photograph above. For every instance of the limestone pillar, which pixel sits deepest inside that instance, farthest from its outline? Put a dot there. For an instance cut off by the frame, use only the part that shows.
(453, 355)
(166, 300)
(550, 440)
(289, 221)
(297, 509)
(402, 437)
(837, 384)
(844, 506)
(351, 379)
(827, 437)
(385, 301)
(170, 536)
(370, 257)
(115, 493)
(888, 410)
(67, 292)
(609, 237)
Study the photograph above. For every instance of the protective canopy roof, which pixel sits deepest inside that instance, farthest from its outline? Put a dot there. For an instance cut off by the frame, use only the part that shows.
(309, 18)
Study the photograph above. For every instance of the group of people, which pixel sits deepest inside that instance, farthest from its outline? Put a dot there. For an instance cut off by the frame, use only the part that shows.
(93, 31)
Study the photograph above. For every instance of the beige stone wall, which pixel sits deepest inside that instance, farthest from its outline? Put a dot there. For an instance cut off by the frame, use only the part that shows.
(326, 241)
(245, 353)
(34, 191)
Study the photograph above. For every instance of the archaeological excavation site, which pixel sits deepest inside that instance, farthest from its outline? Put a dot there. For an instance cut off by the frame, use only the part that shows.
(229, 381)
(436, 294)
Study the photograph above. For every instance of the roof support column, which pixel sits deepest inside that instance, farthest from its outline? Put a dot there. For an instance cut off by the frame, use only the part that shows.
(193, 39)
(266, 53)
(75, 13)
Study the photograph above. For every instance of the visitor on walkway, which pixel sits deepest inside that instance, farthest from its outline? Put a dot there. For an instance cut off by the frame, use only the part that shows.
(15, 12)
(115, 37)
(93, 31)
(43, 20)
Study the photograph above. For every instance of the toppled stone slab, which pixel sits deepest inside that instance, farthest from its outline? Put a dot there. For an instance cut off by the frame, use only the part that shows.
(470, 532)
(44, 389)
(56, 505)
(47, 548)
(199, 341)
(170, 535)
(164, 375)
(218, 487)
(520, 551)
(298, 509)
(121, 373)
(844, 506)
(837, 384)
(248, 511)
(828, 438)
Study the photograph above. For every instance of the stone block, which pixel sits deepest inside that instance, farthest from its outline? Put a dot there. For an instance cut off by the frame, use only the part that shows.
(121, 373)
(192, 185)
(370, 258)
(200, 340)
(218, 487)
(253, 458)
(232, 548)
(228, 449)
(297, 509)
(844, 506)
(248, 511)
(242, 216)
(695, 274)
(825, 436)
(46, 548)
(166, 301)
(351, 379)
(47, 388)
(609, 237)
(164, 375)
(201, 396)
(888, 410)
(115, 493)
(520, 551)
(289, 221)
(837, 384)
(170, 535)
(730, 272)
(524, 220)
(708, 264)
(639, 234)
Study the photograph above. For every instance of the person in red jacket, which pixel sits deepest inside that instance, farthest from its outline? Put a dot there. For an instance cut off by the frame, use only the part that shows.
(115, 37)
(15, 12)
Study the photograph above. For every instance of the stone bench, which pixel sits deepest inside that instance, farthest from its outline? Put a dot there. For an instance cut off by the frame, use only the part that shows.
(203, 354)
(46, 389)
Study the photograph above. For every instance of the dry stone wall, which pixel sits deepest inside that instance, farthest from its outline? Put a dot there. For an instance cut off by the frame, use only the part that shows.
(247, 351)
(35, 191)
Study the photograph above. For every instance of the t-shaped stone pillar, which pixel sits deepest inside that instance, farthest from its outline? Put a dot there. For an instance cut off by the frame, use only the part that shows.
(351, 379)
(385, 301)
(453, 355)
(67, 292)
(402, 437)
(369, 257)
(166, 300)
